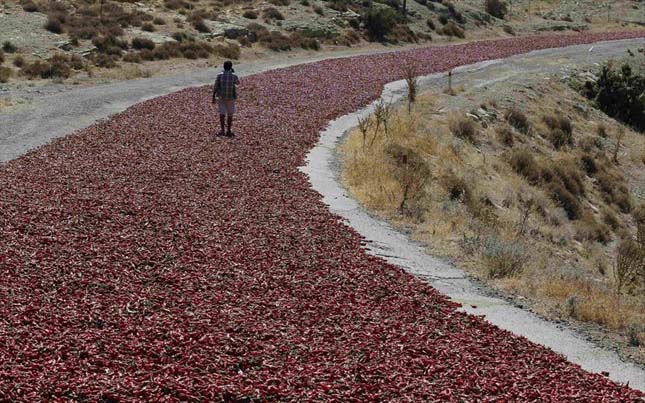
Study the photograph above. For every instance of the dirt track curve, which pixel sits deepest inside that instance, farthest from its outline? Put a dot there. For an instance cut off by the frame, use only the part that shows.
(141, 259)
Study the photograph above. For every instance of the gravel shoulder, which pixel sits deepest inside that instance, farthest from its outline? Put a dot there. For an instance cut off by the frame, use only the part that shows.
(323, 168)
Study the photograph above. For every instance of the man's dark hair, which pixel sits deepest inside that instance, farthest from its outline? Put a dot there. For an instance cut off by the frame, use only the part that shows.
(228, 65)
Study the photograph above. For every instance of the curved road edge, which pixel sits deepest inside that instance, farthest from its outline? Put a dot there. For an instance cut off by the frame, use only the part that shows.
(322, 168)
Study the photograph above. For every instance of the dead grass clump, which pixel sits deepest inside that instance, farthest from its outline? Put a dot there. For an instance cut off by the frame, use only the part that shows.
(159, 21)
(250, 14)
(464, 128)
(200, 26)
(228, 51)
(452, 29)
(523, 163)
(505, 136)
(110, 45)
(456, 187)
(614, 190)
(30, 7)
(148, 27)
(570, 203)
(569, 174)
(143, 43)
(518, 120)
(132, 58)
(272, 13)
(177, 4)
(610, 218)
(629, 267)
(54, 25)
(279, 2)
(5, 74)
(503, 259)
(588, 229)
(412, 173)
(589, 164)
(560, 130)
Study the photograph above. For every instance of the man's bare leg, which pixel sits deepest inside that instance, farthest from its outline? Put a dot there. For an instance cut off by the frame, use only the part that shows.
(230, 123)
(221, 123)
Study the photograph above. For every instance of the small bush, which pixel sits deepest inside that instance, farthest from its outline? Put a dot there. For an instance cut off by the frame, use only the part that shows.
(431, 24)
(518, 120)
(609, 218)
(456, 187)
(148, 27)
(19, 61)
(9, 47)
(143, 43)
(618, 93)
(109, 45)
(565, 199)
(559, 138)
(319, 10)
(132, 58)
(30, 7)
(589, 164)
(1, 57)
(503, 259)
(200, 26)
(279, 2)
(272, 13)
(464, 128)
(228, 51)
(523, 163)
(275, 40)
(602, 130)
(412, 173)
(452, 29)
(588, 229)
(177, 4)
(509, 30)
(614, 190)
(159, 21)
(379, 22)
(443, 19)
(496, 8)
(5, 74)
(250, 14)
(54, 25)
(629, 267)
(505, 136)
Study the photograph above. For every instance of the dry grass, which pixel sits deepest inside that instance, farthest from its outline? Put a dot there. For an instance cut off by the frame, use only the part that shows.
(530, 219)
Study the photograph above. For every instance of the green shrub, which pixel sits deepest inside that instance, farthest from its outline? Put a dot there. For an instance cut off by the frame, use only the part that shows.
(619, 93)
(496, 8)
(379, 22)
(9, 47)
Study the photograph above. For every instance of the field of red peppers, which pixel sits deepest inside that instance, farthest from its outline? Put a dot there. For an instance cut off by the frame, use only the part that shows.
(143, 259)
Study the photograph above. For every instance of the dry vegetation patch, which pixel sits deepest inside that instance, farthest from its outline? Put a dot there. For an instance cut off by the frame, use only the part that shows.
(533, 201)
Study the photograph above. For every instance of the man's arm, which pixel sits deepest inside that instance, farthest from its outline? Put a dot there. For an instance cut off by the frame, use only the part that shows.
(215, 89)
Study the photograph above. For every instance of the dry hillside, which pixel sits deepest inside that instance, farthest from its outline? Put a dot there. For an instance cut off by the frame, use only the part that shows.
(525, 185)
(127, 39)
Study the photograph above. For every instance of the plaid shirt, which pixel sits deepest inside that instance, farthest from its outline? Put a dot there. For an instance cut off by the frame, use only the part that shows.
(225, 85)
